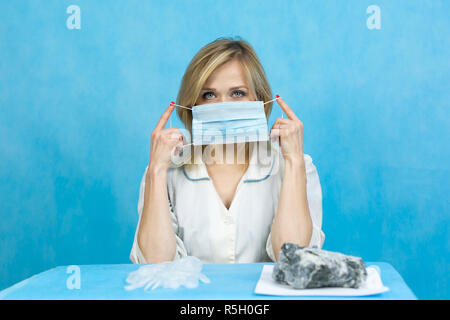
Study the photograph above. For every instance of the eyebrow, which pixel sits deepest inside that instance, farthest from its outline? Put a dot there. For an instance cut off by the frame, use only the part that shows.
(213, 89)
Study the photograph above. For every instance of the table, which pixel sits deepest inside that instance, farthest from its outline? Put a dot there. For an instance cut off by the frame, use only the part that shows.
(228, 282)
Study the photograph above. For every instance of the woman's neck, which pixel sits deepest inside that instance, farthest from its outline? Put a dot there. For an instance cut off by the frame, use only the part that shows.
(229, 154)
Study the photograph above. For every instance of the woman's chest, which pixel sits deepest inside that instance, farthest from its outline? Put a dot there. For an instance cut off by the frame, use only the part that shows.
(226, 188)
(225, 183)
(198, 204)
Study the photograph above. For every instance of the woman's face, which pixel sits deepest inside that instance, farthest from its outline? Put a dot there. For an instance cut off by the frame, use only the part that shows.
(226, 83)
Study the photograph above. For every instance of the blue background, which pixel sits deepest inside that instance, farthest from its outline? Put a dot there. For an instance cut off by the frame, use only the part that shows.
(77, 108)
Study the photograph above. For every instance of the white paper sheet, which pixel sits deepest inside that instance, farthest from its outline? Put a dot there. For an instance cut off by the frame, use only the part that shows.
(266, 285)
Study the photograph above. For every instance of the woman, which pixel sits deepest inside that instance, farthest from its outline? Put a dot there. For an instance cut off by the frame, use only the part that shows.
(238, 211)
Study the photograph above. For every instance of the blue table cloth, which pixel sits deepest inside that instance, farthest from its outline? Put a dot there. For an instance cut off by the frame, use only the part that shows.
(228, 282)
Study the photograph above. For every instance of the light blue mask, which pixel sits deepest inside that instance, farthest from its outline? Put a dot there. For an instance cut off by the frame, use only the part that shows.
(229, 122)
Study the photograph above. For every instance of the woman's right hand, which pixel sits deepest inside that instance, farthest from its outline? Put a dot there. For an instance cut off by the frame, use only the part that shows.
(163, 143)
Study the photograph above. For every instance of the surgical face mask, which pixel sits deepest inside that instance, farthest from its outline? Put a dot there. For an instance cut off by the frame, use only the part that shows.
(224, 123)
(229, 122)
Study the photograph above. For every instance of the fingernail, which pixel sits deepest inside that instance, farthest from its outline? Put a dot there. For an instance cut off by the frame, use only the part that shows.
(277, 96)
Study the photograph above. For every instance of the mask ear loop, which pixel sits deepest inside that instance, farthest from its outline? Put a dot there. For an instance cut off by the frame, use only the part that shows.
(189, 108)
(274, 100)
(281, 110)
(271, 100)
(179, 106)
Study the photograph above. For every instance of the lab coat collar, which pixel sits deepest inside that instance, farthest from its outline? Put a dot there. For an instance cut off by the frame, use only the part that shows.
(264, 156)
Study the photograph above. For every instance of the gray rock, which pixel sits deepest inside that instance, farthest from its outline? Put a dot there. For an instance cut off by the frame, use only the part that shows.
(307, 267)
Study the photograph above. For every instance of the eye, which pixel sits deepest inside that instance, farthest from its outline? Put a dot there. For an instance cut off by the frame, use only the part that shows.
(240, 93)
(205, 95)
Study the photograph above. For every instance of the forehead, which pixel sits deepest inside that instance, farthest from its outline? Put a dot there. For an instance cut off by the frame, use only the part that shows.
(227, 75)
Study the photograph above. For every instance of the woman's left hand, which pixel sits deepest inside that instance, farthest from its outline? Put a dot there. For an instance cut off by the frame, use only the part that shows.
(289, 133)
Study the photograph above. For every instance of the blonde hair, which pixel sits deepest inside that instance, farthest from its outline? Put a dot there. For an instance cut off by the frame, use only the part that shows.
(205, 62)
(208, 59)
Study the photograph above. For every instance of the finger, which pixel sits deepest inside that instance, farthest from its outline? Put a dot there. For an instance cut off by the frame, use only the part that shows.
(286, 109)
(282, 121)
(279, 132)
(167, 137)
(274, 133)
(275, 139)
(174, 136)
(165, 116)
(174, 133)
(166, 133)
(279, 126)
(171, 130)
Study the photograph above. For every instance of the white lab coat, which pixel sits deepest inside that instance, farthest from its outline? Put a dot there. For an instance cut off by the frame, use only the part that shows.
(206, 229)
